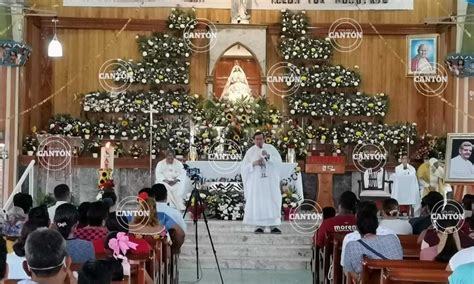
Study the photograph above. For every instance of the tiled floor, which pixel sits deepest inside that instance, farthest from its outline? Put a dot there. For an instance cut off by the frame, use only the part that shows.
(237, 276)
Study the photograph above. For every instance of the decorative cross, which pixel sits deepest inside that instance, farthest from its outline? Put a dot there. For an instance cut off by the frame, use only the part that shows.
(151, 111)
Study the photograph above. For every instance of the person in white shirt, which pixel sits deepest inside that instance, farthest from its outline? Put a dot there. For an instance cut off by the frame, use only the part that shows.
(62, 194)
(354, 236)
(390, 218)
(461, 257)
(460, 166)
(172, 174)
(161, 195)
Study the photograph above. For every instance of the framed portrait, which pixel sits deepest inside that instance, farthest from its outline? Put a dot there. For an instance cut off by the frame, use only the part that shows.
(422, 54)
(459, 157)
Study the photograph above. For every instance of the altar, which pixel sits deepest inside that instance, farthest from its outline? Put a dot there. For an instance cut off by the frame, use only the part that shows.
(229, 172)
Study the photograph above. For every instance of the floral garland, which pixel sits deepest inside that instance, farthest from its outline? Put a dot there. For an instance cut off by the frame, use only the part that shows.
(343, 104)
(163, 102)
(293, 24)
(305, 48)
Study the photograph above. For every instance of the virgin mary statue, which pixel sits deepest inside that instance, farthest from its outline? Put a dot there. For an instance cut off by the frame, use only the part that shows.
(237, 87)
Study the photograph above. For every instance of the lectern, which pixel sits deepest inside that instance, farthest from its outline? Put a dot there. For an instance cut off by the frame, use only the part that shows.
(325, 167)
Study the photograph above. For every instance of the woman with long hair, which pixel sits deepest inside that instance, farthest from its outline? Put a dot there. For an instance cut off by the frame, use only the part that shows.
(146, 223)
(65, 222)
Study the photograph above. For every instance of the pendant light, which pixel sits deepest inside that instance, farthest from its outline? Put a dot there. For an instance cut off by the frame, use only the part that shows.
(55, 49)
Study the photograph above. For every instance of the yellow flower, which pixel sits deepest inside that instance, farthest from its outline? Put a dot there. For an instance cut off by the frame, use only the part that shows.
(244, 117)
(229, 116)
(305, 104)
(358, 133)
(124, 123)
(205, 135)
(285, 139)
(175, 103)
(236, 137)
(338, 79)
(268, 140)
(138, 102)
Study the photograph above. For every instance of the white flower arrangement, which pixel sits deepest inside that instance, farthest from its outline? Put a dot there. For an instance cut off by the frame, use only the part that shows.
(305, 48)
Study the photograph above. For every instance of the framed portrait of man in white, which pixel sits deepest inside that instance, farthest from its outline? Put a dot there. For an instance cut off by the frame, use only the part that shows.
(422, 54)
(459, 157)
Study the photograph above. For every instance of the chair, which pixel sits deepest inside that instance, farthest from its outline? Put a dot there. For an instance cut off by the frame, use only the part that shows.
(337, 273)
(405, 275)
(372, 190)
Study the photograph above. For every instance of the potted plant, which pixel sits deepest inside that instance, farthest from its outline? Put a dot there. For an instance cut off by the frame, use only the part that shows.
(290, 201)
(86, 129)
(94, 148)
(30, 145)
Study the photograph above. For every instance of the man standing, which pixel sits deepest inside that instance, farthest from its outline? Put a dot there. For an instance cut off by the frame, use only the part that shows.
(62, 194)
(405, 189)
(171, 173)
(261, 179)
(460, 166)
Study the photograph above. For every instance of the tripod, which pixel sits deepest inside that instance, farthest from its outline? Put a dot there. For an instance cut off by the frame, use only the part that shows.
(197, 205)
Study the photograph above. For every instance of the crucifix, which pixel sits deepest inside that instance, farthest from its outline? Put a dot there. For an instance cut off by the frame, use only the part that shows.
(151, 111)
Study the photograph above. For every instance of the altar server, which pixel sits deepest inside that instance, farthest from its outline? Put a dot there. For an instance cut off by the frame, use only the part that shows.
(172, 174)
(261, 180)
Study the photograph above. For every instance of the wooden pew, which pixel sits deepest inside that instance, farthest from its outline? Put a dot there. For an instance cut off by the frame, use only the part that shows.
(405, 276)
(410, 245)
(372, 268)
(337, 272)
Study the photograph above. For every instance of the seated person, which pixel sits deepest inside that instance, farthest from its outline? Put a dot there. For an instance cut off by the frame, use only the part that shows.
(461, 257)
(65, 222)
(47, 261)
(447, 246)
(463, 274)
(16, 258)
(147, 224)
(371, 245)
(161, 196)
(3, 260)
(62, 194)
(354, 236)
(390, 212)
(40, 216)
(82, 209)
(419, 224)
(344, 222)
(97, 271)
(96, 215)
(328, 212)
(17, 215)
(110, 198)
(113, 225)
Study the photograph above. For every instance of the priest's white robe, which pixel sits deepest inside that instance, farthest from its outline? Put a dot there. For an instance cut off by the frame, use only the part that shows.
(405, 187)
(461, 168)
(262, 194)
(171, 172)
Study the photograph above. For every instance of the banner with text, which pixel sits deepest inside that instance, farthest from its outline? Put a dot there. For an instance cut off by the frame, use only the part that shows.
(255, 4)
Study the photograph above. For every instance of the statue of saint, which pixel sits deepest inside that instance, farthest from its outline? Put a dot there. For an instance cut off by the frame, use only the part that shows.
(237, 86)
(239, 12)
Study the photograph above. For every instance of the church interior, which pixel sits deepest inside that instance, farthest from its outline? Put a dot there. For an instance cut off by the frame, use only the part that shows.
(236, 141)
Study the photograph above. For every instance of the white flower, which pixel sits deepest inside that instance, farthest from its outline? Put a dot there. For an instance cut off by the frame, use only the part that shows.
(144, 53)
(144, 81)
(171, 110)
(292, 111)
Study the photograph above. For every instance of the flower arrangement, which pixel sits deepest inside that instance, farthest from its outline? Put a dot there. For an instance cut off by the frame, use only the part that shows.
(136, 151)
(324, 77)
(431, 146)
(291, 135)
(94, 148)
(179, 19)
(30, 145)
(64, 124)
(290, 199)
(342, 104)
(86, 129)
(119, 150)
(105, 179)
(160, 46)
(157, 73)
(305, 48)
(178, 136)
(293, 24)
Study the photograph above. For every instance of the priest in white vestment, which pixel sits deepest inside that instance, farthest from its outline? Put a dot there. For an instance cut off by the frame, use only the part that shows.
(405, 185)
(172, 174)
(260, 171)
(460, 166)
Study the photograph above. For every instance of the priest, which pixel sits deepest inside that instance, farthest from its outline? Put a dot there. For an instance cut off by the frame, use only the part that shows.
(172, 174)
(406, 188)
(260, 171)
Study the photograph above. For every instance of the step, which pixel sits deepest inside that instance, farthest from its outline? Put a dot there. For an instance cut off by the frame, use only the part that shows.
(234, 226)
(247, 263)
(255, 251)
(250, 238)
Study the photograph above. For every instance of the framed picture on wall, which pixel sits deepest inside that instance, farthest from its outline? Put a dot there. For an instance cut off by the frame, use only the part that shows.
(459, 157)
(422, 54)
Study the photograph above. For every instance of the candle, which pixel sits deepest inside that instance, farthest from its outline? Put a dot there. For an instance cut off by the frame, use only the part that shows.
(107, 157)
